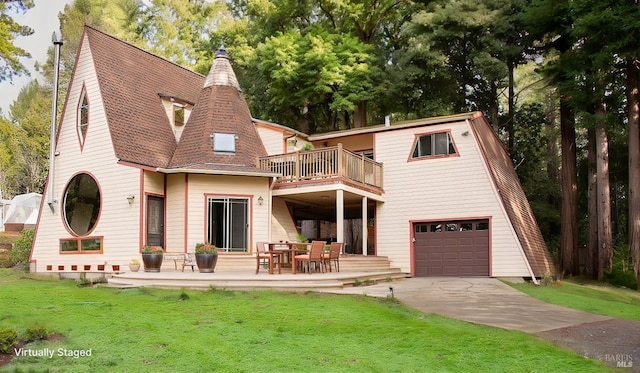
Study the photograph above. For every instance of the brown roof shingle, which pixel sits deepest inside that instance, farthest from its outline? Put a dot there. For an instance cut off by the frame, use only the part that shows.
(220, 108)
(131, 81)
(513, 197)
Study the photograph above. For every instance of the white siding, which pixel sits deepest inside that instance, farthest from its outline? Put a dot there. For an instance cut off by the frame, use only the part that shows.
(440, 189)
(272, 138)
(118, 221)
(283, 228)
(233, 186)
(175, 213)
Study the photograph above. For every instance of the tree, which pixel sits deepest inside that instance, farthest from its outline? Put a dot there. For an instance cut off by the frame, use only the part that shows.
(10, 65)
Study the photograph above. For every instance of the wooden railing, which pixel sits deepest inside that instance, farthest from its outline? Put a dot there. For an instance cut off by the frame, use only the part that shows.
(324, 163)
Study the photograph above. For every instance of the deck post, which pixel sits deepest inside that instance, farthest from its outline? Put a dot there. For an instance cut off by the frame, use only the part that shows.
(340, 215)
(365, 219)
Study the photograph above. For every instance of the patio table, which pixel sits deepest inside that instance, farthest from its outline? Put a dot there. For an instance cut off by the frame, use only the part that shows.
(292, 249)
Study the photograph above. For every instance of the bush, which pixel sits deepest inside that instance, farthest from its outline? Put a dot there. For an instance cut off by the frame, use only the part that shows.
(37, 332)
(8, 339)
(22, 248)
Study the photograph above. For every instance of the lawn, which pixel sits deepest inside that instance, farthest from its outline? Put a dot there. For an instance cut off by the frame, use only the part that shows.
(155, 330)
(590, 297)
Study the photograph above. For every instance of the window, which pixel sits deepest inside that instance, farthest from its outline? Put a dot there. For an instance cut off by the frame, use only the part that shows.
(178, 115)
(81, 244)
(224, 142)
(81, 204)
(228, 223)
(433, 144)
(83, 116)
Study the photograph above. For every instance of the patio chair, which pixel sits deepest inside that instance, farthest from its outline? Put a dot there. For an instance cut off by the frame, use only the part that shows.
(314, 256)
(265, 257)
(189, 261)
(333, 256)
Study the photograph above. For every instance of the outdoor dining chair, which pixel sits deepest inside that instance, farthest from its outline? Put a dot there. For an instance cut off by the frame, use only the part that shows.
(265, 257)
(314, 256)
(333, 256)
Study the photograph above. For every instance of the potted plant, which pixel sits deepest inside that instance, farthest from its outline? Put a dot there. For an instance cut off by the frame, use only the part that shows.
(152, 258)
(206, 257)
(134, 265)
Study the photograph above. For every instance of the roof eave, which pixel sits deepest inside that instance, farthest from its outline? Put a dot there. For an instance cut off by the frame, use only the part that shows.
(214, 172)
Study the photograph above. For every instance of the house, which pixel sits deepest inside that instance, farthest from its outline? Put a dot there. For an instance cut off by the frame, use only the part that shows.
(150, 153)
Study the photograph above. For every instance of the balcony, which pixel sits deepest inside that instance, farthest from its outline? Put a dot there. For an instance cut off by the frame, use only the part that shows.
(322, 164)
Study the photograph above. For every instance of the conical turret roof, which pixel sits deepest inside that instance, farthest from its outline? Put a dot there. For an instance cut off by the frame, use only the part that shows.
(221, 111)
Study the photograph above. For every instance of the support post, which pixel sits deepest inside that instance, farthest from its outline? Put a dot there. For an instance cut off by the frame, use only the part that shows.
(340, 215)
(365, 231)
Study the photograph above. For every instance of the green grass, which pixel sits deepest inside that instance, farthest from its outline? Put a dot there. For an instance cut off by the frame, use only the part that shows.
(599, 299)
(155, 330)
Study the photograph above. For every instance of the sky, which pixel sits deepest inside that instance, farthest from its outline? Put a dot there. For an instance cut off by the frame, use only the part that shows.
(43, 19)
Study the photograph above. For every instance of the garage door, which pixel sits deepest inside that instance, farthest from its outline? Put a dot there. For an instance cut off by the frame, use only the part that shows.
(451, 248)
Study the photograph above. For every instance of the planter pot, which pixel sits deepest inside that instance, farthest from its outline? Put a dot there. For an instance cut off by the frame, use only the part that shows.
(206, 262)
(152, 262)
(134, 267)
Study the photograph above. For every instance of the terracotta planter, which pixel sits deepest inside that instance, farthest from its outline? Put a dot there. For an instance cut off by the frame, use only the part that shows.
(152, 262)
(206, 262)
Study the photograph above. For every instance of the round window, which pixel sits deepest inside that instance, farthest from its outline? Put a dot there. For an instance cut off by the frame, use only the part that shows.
(82, 204)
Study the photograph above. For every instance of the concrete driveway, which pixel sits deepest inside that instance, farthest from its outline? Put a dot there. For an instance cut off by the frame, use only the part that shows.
(480, 300)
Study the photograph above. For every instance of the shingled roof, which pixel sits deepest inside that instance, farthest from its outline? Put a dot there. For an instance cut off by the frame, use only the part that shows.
(131, 81)
(513, 197)
(219, 109)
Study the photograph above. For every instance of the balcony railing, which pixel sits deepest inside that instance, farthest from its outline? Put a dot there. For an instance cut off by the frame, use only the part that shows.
(324, 163)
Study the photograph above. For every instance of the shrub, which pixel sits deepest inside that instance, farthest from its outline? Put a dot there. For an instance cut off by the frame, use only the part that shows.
(22, 248)
(8, 339)
(37, 332)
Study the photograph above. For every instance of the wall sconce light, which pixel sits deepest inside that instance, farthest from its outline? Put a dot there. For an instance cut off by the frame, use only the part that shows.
(260, 200)
(130, 198)
(465, 133)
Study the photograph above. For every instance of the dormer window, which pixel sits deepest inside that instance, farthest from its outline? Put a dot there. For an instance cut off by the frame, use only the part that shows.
(178, 115)
(224, 143)
(433, 144)
(83, 116)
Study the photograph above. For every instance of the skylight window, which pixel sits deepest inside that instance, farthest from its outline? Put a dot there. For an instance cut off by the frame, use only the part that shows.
(224, 143)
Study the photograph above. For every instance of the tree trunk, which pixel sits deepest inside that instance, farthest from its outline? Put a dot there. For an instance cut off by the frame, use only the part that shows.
(605, 248)
(494, 109)
(511, 99)
(569, 230)
(591, 258)
(633, 97)
(360, 115)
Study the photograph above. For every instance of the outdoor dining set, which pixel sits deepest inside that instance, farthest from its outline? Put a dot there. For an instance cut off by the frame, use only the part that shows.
(299, 256)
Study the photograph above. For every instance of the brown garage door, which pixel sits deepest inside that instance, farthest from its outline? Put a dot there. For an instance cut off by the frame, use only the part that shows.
(451, 248)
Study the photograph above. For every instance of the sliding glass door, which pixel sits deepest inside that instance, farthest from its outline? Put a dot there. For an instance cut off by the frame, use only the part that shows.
(228, 223)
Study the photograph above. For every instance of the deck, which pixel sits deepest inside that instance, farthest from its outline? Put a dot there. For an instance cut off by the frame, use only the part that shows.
(325, 163)
(237, 272)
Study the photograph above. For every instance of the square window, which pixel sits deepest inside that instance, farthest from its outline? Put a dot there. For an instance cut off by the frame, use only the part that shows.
(451, 227)
(466, 227)
(224, 142)
(436, 228)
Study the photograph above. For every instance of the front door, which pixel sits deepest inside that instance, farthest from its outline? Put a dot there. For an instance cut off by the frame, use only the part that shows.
(155, 221)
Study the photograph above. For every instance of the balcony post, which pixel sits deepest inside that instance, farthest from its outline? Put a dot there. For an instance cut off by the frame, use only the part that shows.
(340, 160)
(365, 225)
(340, 215)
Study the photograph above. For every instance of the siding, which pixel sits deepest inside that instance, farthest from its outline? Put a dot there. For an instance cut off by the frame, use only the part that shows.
(175, 213)
(441, 188)
(244, 186)
(118, 221)
(272, 138)
(283, 227)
